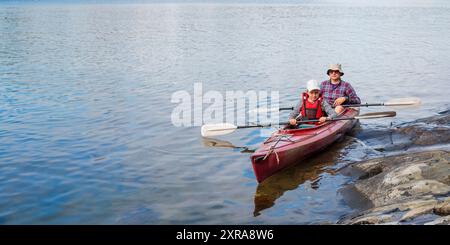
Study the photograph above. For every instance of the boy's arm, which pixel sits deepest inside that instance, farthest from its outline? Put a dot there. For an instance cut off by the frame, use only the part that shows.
(296, 111)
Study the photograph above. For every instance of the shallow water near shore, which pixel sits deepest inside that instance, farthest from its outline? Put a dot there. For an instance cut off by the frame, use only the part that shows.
(85, 106)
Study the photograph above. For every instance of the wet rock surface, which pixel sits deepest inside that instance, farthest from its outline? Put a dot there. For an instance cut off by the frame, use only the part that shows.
(405, 187)
(412, 188)
(423, 132)
(428, 131)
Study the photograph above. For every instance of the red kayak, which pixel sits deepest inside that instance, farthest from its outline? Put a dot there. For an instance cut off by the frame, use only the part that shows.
(288, 146)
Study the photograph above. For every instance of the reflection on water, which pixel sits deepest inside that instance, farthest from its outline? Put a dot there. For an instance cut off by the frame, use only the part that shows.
(211, 142)
(308, 173)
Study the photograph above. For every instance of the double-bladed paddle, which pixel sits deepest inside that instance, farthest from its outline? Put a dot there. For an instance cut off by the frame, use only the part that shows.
(209, 130)
(392, 102)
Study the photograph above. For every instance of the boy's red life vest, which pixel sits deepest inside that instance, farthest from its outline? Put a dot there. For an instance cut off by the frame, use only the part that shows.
(311, 111)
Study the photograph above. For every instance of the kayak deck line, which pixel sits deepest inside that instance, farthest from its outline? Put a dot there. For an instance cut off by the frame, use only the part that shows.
(286, 138)
(275, 135)
(289, 140)
(272, 148)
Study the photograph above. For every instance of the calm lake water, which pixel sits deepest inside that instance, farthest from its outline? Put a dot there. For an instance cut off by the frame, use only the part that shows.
(85, 105)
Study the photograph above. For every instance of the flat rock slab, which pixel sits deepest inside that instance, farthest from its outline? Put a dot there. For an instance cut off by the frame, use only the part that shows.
(406, 189)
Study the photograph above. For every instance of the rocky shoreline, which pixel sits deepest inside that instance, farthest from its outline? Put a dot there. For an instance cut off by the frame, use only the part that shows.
(410, 188)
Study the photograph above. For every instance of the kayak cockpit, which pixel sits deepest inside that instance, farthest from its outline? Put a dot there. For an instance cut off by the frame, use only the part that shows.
(303, 127)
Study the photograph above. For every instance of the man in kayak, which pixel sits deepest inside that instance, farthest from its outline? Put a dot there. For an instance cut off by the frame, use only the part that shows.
(336, 91)
(312, 106)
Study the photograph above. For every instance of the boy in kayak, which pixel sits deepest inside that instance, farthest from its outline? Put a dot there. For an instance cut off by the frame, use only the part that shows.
(312, 106)
(336, 91)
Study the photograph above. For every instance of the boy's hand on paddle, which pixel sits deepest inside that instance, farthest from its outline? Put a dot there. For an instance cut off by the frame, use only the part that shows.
(322, 119)
(339, 101)
(293, 122)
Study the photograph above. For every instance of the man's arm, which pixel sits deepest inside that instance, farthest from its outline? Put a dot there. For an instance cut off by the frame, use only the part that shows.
(352, 97)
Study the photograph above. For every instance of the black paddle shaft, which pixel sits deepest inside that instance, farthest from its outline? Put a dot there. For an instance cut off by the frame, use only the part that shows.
(298, 122)
(363, 105)
(348, 105)
(334, 119)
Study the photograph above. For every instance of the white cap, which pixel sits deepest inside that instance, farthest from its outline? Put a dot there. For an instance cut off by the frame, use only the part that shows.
(312, 85)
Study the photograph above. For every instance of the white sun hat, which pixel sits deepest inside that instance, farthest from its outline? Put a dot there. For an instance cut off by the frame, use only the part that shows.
(312, 85)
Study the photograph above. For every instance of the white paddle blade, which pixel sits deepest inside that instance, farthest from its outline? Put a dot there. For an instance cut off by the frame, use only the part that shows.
(403, 102)
(377, 115)
(208, 130)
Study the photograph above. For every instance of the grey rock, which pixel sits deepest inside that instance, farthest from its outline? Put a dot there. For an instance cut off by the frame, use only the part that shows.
(440, 221)
(404, 188)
